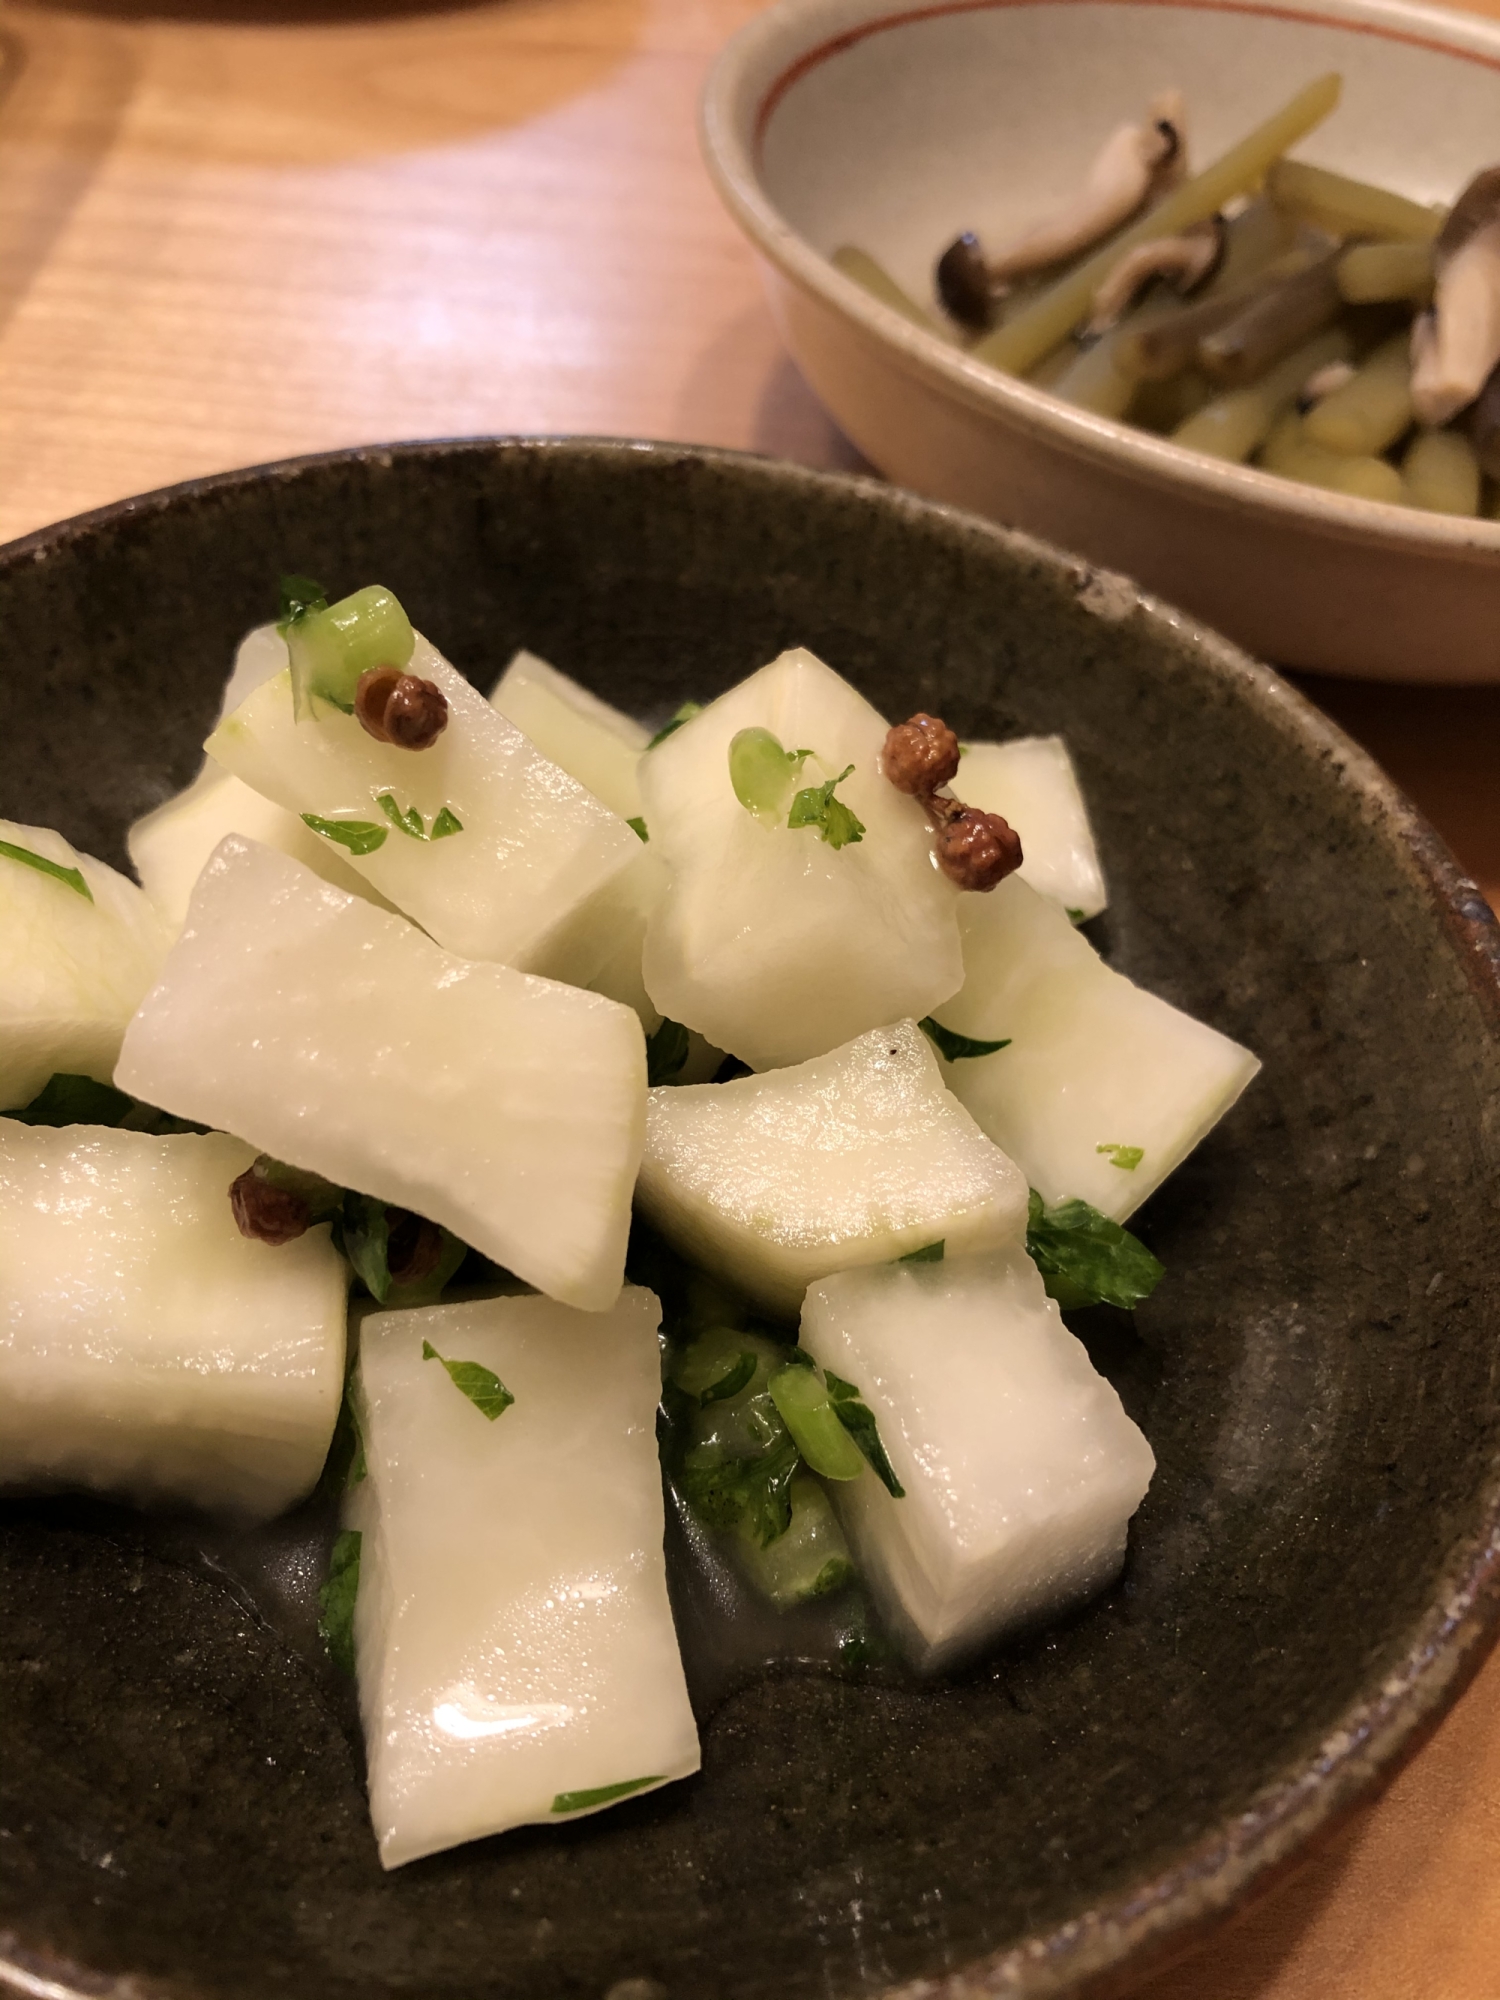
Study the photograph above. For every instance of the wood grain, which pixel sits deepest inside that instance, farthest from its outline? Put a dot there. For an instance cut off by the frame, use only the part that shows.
(233, 231)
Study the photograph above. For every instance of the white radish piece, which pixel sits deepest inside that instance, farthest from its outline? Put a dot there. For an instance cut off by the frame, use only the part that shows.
(1031, 782)
(340, 1039)
(73, 966)
(146, 1347)
(169, 846)
(592, 742)
(1020, 1466)
(520, 868)
(516, 1655)
(853, 1158)
(259, 657)
(1104, 1088)
(771, 942)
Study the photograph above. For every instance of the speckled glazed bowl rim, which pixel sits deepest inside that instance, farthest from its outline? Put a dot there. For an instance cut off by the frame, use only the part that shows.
(1109, 1948)
(772, 53)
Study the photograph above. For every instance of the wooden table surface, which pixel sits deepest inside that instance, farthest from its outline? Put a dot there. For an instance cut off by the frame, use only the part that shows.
(233, 231)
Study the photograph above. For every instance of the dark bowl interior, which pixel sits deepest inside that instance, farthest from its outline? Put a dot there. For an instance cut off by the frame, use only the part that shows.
(1312, 1575)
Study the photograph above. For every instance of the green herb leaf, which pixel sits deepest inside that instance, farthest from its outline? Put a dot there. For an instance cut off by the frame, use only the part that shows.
(73, 877)
(409, 822)
(1074, 916)
(482, 1386)
(816, 806)
(930, 1253)
(344, 1466)
(75, 1100)
(1128, 1157)
(859, 1421)
(730, 1383)
(753, 1493)
(570, 1802)
(1085, 1259)
(297, 596)
(666, 1053)
(446, 822)
(638, 828)
(336, 1600)
(684, 714)
(957, 1048)
(360, 836)
(365, 1238)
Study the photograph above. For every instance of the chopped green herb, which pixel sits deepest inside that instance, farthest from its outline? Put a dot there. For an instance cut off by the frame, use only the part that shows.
(408, 822)
(638, 828)
(930, 1253)
(803, 1404)
(482, 1386)
(344, 1467)
(1085, 1259)
(666, 1052)
(1074, 916)
(73, 877)
(365, 1239)
(859, 1420)
(1128, 1157)
(336, 1599)
(730, 1383)
(360, 836)
(446, 822)
(762, 773)
(816, 806)
(957, 1048)
(753, 1494)
(571, 1802)
(298, 596)
(684, 714)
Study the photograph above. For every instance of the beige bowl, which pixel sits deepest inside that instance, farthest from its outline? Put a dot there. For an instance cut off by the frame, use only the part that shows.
(892, 127)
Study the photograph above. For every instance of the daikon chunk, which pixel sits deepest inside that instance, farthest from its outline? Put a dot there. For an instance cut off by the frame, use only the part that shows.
(494, 850)
(853, 1158)
(1020, 1467)
(146, 1347)
(78, 949)
(1031, 782)
(341, 1039)
(1104, 1089)
(588, 739)
(516, 1655)
(772, 941)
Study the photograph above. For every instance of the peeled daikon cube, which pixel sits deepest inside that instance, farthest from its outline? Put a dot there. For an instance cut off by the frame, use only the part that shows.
(146, 1347)
(1104, 1088)
(592, 742)
(773, 942)
(169, 846)
(1031, 782)
(78, 949)
(492, 849)
(342, 1040)
(516, 1655)
(1020, 1466)
(853, 1158)
(259, 657)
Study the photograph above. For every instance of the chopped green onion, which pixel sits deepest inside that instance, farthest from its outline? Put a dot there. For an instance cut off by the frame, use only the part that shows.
(73, 877)
(333, 644)
(803, 1405)
(360, 836)
(957, 1048)
(482, 1386)
(762, 773)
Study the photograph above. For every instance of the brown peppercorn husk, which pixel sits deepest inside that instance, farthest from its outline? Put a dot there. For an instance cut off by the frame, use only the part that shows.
(413, 1246)
(920, 755)
(267, 1214)
(975, 850)
(400, 709)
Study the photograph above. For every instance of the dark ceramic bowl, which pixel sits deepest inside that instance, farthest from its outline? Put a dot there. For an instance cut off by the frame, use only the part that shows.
(1315, 1571)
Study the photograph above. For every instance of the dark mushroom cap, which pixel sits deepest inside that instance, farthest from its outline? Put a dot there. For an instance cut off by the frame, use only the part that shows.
(963, 282)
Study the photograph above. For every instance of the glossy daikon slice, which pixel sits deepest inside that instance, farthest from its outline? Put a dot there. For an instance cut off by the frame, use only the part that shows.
(1031, 782)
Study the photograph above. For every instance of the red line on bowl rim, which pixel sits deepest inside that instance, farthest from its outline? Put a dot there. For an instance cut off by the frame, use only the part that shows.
(814, 58)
